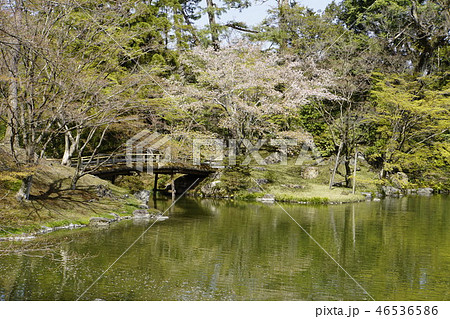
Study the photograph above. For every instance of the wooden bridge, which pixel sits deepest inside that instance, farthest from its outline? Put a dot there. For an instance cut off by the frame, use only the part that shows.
(109, 166)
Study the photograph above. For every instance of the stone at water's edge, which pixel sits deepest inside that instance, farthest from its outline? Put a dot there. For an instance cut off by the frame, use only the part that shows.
(212, 188)
(390, 191)
(143, 196)
(99, 222)
(425, 191)
(141, 213)
(268, 198)
(367, 195)
(148, 213)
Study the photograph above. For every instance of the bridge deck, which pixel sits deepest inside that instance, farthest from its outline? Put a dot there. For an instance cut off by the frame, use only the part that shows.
(120, 164)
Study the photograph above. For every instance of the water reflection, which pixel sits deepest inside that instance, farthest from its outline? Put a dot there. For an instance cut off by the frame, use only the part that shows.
(396, 249)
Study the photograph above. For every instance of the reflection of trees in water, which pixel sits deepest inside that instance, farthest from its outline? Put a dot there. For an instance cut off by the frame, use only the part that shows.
(213, 249)
(27, 263)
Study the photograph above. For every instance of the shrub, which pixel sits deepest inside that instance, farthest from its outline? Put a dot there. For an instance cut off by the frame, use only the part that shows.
(235, 179)
(132, 183)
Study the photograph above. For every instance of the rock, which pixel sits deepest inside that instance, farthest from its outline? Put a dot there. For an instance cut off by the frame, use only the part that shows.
(253, 190)
(262, 181)
(99, 222)
(143, 196)
(425, 191)
(141, 213)
(310, 172)
(215, 183)
(273, 158)
(399, 180)
(143, 206)
(367, 195)
(376, 199)
(116, 217)
(154, 211)
(339, 184)
(259, 168)
(390, 191)
(161, 217)
(295, 186)
(267, 198)
(212, 188)
(411, 191)
(103, 191)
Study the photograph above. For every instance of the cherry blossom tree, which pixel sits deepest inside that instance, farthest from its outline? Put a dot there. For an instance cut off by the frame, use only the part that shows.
(244, 86)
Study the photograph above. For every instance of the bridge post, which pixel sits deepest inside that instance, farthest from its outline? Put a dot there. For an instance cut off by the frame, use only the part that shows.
(173, 187)
(155, 185)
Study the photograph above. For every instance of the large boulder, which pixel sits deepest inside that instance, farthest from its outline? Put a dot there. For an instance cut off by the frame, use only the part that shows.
(143, 196)
(400, 180)
(212, 187)
(390, 191)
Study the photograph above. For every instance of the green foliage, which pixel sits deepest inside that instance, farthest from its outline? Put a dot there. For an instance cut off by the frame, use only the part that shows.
(271, 176)
(248, 196)
(9, 183)
(410, 30)
(132, 183)
(411, 117)
(235, 179)
(308, 200)
(2, 130)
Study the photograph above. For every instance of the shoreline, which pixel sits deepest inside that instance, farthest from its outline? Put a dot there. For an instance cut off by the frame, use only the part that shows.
(24, 237)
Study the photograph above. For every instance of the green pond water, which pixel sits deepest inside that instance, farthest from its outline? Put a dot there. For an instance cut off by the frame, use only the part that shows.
(396, 249)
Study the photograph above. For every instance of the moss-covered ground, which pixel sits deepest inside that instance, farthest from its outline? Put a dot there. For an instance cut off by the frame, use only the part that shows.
(52, 203)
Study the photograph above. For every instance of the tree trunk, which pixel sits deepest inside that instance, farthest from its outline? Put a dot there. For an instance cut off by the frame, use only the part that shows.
(70, 146)
(66, 157)
(173, 187)
(354, 170)
(348, 171)
(13, 97)
(283, 6)
(25, 189)
(211, 9)
(336, 165)
(191, 27)
(73, 184)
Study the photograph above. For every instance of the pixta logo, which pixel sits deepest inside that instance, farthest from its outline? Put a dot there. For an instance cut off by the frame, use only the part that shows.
(146, 149)
(307, 151)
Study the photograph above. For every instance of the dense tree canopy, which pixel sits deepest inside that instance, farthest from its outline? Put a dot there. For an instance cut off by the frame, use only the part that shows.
(363, 75)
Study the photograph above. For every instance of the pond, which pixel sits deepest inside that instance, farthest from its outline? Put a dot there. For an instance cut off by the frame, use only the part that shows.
(396, 249)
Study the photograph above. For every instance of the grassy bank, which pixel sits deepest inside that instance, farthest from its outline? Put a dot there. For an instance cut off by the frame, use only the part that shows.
(52, 203)
(288, 183)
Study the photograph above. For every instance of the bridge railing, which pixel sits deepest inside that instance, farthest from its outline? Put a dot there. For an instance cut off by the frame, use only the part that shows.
(105, 160)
